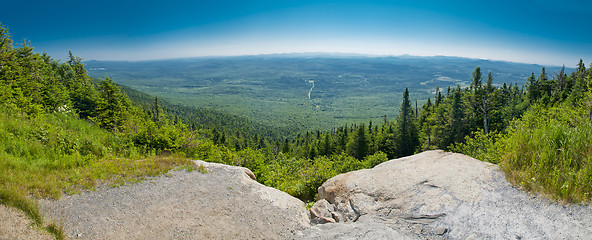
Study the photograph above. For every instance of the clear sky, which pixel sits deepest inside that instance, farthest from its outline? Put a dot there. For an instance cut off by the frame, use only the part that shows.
(532, 31)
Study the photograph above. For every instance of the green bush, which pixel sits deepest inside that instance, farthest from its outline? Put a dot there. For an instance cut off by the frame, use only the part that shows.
(480, 146)
(375, 159)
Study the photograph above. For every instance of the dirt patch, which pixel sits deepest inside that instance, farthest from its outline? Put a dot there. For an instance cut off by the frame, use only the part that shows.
(14, 224)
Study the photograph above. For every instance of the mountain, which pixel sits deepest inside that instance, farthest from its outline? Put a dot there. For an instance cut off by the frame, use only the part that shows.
(305, 91)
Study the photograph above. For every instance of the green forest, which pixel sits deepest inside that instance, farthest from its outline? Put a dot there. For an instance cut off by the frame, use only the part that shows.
(62, 131)
(295, 93)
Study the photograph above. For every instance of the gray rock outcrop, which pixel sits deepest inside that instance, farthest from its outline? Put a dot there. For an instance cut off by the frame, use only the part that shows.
(439, 195)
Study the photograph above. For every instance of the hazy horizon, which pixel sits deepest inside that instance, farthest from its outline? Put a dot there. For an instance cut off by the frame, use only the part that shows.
(321, 55)
(526, 31)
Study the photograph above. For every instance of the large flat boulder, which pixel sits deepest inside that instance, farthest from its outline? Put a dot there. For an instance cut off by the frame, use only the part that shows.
(225, 203)
(440, 195)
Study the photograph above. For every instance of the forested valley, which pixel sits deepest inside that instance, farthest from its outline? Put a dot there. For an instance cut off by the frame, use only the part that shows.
(63, 131)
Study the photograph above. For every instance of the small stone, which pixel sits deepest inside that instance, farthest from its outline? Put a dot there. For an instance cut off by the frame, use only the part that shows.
(417, 228)
(322, 212)
(440, 230)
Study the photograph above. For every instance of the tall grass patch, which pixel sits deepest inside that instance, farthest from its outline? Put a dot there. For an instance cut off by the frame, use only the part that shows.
(51, 154)
(550, 151)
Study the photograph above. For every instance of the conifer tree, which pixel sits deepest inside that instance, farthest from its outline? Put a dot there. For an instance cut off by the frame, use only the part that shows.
(112, 106)
(286, 146)
(532, 87)
(561, 86)
(358, 146)
(326, 150)
(425, 124)
(456, 124)
(545, 86)
(156, 111)
(407, 138)
(580, 83)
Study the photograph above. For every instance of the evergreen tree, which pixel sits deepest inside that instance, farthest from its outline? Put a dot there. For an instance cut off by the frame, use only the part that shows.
(407, 138)
(475, 97)
(561, 86)
(358, 146)
(456, 116)
(386, 141)
(580, 72)
(477, 79)
(533, 88)
(326, 149)
(438, 96)
(545, 86)
(286, 146)
(112, 106)
(580, 83)
(425, 124)
(82, 94)
(156, 111)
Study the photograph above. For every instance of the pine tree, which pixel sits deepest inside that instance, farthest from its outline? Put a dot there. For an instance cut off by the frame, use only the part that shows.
(358, 146)
(561, 86)
(407, 138)
(425, 123)
(286, 146)
(545, 86)
(156, 111)
(580, 83)
(456, 116)
(82, 92)
(532, 87)
(326, 150)
(477, 79)
(112, 106)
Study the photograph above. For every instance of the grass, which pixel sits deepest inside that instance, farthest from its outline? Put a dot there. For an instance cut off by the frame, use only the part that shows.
(56, 153)
(56, 230)
(309, 205)
(193, 167)
(202, 169)
(13, 197)
(550, 151)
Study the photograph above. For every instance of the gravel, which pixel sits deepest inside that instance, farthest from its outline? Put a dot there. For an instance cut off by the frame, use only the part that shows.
(221, 204)
(506, 212)
(14, 224)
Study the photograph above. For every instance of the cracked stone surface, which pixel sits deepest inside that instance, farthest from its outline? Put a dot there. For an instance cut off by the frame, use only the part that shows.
(440, 195)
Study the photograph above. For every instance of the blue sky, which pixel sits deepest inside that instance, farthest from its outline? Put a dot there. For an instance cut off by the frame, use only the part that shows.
(532, 31)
